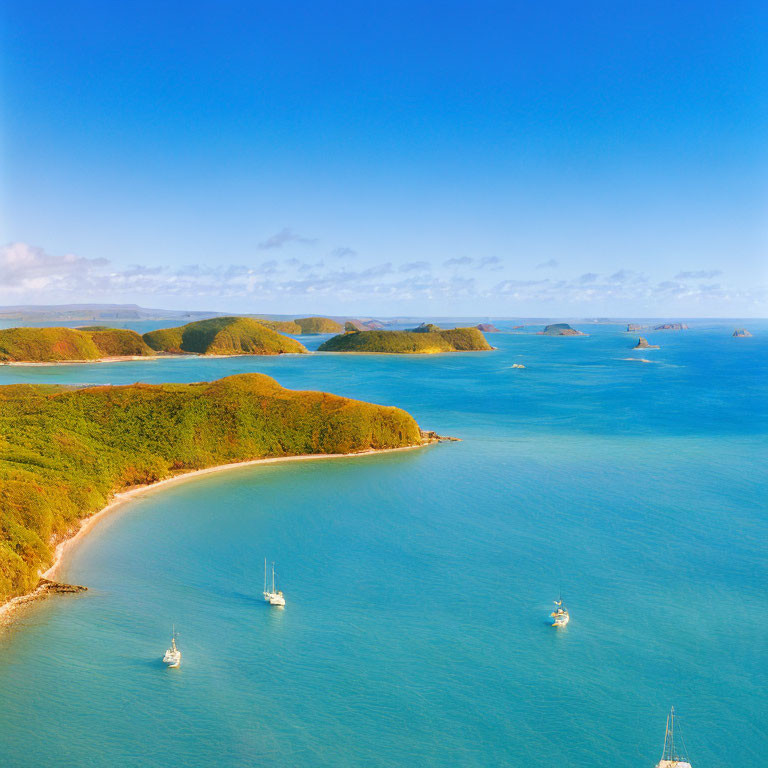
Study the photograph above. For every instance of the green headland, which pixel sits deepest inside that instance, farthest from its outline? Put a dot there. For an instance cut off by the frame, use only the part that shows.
(424, 342)
(222, 336)
(65, 451)
(46, 345)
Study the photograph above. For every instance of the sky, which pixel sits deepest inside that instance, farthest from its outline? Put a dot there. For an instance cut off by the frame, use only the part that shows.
(365, 158)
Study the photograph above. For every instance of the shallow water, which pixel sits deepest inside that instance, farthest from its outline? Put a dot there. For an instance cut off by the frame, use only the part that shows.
(419, 584)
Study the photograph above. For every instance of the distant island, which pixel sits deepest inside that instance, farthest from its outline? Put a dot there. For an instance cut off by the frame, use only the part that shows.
(363, 325)
(404, 342)
(634, 327)
(67, 450)
(304, 326)
(426, 328)
(671, 327)
(222, 336)
(45, 345)
(560, 329)
(741, 333)
(642, 343)
(487, 328)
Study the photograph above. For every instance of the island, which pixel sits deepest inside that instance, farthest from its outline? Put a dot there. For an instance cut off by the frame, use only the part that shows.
(741, 333)
(87, 344)
(408, 342)
(67, 450)
(306, 326)
(426, 328)
(560, 329)
(642, 343)
(363, 325)
(634, 327)
(487, 328)
(671, 327)
(222, 336)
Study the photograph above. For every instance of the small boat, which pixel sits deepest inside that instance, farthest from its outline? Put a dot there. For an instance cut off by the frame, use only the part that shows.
(273, 596)
(173, 655)
(560, 616)
(673, 756)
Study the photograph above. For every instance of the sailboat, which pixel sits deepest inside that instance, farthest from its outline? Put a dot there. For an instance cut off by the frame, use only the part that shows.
(671, 757)
(173, 655)
(273, 596)
(560, 616)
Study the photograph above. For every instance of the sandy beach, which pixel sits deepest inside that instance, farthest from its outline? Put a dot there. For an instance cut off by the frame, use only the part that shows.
(65, 547)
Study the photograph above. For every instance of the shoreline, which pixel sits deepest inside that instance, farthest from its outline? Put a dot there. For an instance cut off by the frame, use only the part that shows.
(117, 500)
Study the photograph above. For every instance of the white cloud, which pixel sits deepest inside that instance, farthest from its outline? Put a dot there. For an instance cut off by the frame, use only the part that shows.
(31, 275)
(550, 264)
(702, 274)
(284, 236)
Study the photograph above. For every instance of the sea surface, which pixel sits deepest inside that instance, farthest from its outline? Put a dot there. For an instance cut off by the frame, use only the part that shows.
(419, 584)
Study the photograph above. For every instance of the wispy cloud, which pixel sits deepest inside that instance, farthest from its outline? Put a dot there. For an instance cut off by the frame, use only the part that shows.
(283, 237)
(550, 264)
(32, 274)
(411, 266)
(343, 253)
(458, 261)
(702, 274)
(490, 263)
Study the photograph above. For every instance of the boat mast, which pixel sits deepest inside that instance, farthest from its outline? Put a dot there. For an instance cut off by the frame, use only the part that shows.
(669, 738)
(273, 578)
(265, 575)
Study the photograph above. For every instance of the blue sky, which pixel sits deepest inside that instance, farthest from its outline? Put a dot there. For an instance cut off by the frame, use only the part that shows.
(477, 158)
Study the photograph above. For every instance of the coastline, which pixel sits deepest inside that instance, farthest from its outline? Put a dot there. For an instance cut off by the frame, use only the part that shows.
(136, 358)
(121, 498)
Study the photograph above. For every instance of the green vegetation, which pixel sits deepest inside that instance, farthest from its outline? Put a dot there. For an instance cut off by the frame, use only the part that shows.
(455, 340)
(64, 451)
(281, 326)
(222, 336)
(560, 329)
(426, 328)
(314, 325)
(50, 345)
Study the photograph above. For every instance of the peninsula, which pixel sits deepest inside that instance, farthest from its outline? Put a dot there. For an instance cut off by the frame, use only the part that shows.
(222, 336)
(65, 451)
(408, 342)
(50, 345)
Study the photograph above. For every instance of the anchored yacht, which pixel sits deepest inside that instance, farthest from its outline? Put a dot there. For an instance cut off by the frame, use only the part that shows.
(173, 655)
(560, 616)
(273, 596)
(673, 756)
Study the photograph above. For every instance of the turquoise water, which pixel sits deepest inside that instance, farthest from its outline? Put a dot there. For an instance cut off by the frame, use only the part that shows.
(419, 584)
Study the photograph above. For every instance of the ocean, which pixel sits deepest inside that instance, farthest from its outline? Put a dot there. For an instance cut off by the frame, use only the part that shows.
(419, 584)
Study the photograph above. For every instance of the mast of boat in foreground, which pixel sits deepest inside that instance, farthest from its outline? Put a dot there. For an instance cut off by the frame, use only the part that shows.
(670, 757)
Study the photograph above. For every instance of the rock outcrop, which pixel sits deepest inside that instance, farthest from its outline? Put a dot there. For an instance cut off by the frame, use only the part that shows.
(741, 333)
(487, 328)
(634, 327)
(671, 327)
(642, 343)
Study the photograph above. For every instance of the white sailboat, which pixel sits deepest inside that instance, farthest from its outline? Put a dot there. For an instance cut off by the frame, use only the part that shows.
(671, 757)
(560, 616)
(273, 596)
(173, 655)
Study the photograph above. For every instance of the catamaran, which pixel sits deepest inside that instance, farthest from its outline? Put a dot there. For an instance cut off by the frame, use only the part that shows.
(560, 616)
(671, 757)
(173, 655)
(273, 596)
